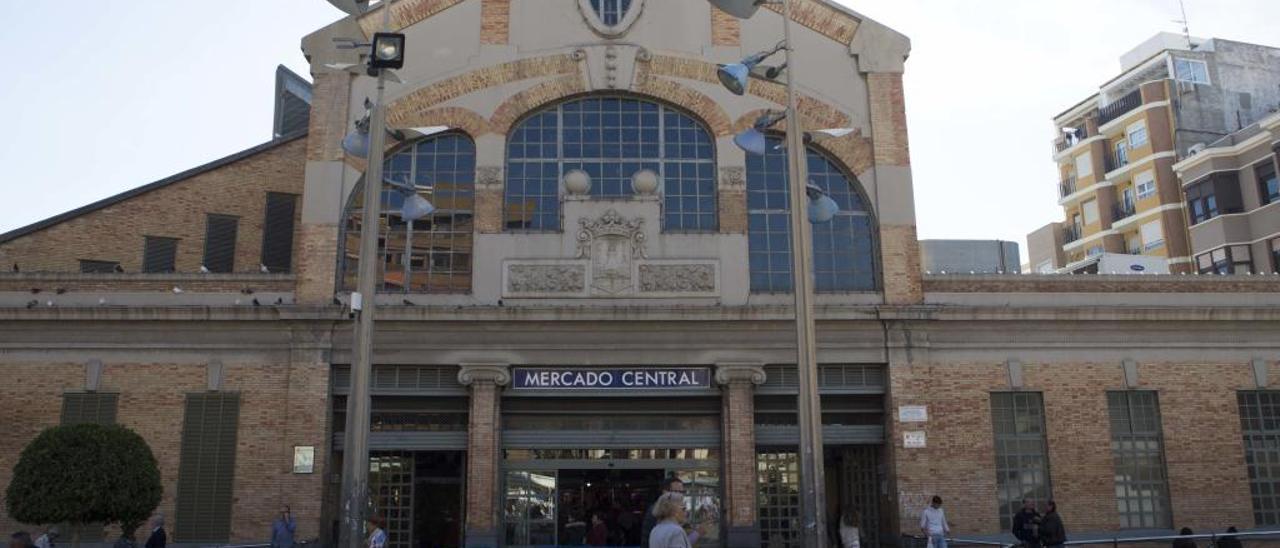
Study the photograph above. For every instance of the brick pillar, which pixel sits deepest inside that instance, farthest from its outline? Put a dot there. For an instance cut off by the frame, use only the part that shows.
(739, 449)
(899, 246)
(317, 255)
(306, 406)
(484, 456)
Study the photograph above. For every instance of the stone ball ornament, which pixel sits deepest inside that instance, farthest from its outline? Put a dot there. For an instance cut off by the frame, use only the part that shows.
(577, 182)
(645, 182)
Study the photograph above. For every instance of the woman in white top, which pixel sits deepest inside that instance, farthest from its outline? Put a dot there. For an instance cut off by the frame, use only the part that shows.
(849, 533)
(669, 533)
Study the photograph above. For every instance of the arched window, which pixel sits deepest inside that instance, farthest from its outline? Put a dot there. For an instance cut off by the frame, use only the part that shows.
(430, 255)
(611, 12)
(844, 251)
(610, 138)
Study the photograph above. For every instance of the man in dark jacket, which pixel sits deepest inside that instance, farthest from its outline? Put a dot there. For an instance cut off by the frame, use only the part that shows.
(1229, 541)
(1025, 524)
(670, 484)
(158, 538)
(1053, 533)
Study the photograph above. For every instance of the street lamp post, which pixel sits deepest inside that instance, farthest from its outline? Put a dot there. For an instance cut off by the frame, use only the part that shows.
(812, 482)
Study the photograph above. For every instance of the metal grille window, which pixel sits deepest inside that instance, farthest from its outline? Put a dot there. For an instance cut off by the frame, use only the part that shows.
(391, 480)
(611, 12)
(88, 266)
(778, 498)
(277, 232)
(206, 468)
(1137, 445)
(1022, 459)
(843, 249)
(220, 242)
(433, 254)
(159, 254)
(89, 408)
(611, 139)
(1260, 423)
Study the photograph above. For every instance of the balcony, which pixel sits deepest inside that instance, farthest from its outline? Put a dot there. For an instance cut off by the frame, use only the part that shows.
(1067, 141)
(1067, 187)
(1120, 107)
(1071, 233)
(1118, 158)
(1122, 211)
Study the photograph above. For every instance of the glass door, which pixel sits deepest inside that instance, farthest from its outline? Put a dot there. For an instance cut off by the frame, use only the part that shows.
(530, 508)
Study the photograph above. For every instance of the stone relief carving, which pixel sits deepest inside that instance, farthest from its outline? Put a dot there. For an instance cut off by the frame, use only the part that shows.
(677, 278)
(612, 243)
(550, 278)
(489, 176)
(733, 177)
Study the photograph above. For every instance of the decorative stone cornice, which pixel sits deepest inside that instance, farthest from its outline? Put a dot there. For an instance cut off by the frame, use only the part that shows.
(728, 373)
(496, 373)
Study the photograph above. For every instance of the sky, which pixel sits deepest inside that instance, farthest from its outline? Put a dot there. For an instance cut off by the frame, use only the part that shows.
(120, 93)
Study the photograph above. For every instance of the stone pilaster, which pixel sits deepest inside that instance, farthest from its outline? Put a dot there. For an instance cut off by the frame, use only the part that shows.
(484, 454)
(899, 247)
(739, 449)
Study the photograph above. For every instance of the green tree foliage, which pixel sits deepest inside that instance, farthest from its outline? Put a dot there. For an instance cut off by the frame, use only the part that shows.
(85, 473)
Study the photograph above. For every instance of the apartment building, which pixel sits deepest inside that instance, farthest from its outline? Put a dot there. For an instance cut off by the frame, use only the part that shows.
(1233, 201)
(1115, 151)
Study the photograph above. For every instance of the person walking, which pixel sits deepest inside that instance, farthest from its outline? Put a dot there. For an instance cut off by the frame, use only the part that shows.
(1053, 534)
(21, 539)
(377, 537)
(670, 484)
(933, 523)
(157, 538)
(1185, 542)
(599, 535)
(669, 532)
(1026, 524)
(47, 539)
(282, 529)
(1230, 541)
(850, 534)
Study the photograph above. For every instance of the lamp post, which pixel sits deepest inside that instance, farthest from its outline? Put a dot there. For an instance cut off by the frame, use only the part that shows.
(812, 482)
(386, 52)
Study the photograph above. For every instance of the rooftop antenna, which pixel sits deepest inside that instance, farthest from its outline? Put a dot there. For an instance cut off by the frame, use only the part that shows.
(1186, 27)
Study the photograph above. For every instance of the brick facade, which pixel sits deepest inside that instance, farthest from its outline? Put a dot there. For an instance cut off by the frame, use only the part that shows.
(495, 21)
(176, 210)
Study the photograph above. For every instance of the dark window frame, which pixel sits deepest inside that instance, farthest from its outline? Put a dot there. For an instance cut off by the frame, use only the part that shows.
(148, 252)
(269, 246)
(96, 266)
(1018, 450)
(1136, 438)
(204, 497)
(1259, 412)
(1225, 261)
(1274, 247)
(220, 248)
(1268, 188)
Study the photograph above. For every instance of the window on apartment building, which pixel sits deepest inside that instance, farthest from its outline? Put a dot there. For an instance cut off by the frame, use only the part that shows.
(1133, 244)
(1145, 182)
(1137, 448)
(1268, 182)
(1045, 267)
(1201, 202)
(1190, 70)
(1121, 157)
(1260, 424)
(1090, 211)
(1137, 134)
(206, 468)
(90, 266)
(220, 242)
(277, 232)
(1275, 255)
(159, 254)
(1084, 165)
(1233, 259)
(1094, 251)
(1022, 461)
(1152, 235)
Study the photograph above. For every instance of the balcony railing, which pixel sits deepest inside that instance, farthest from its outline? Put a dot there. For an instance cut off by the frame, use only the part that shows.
(1067, 141)
(1120, 107)
(1070, 234)
(1122, 211)
(1118, 158)
(1067, 187)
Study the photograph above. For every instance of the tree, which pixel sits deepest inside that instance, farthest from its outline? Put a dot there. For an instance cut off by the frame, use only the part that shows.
(85, 473)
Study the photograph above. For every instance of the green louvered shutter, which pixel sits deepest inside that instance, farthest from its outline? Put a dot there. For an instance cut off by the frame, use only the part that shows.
(220, 243)
(159, 254)
(277, 232)
(206, 471)
(88, 408)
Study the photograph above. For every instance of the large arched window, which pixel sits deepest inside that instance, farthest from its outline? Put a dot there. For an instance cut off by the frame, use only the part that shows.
(844, 251)
(430, 255)
(610, 138)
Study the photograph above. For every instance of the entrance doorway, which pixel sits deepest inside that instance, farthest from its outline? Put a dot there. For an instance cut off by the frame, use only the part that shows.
(611, 502)
(419, 494)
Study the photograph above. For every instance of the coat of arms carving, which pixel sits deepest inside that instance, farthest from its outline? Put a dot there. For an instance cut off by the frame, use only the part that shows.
(612, 244)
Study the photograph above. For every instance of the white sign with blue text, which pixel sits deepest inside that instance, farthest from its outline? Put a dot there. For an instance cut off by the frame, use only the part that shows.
(647, 378)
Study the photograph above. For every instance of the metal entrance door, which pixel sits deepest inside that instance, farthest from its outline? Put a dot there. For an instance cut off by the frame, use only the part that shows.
(391, 492)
